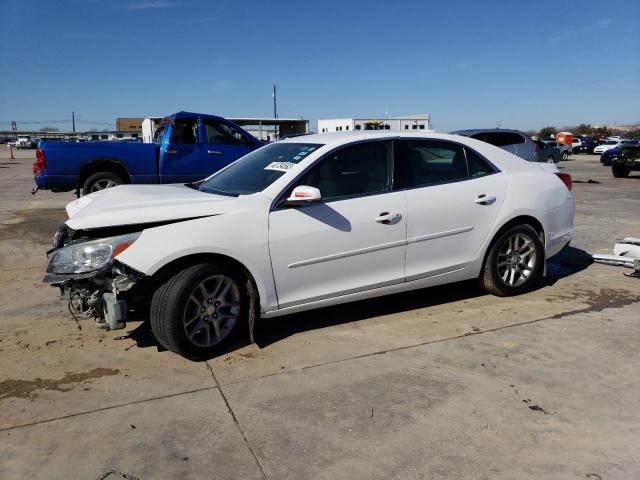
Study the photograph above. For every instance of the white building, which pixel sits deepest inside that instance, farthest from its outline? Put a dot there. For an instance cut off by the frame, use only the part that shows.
(396, 124)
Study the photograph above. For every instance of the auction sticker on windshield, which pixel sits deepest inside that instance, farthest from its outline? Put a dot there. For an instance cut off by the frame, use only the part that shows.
(280, 166)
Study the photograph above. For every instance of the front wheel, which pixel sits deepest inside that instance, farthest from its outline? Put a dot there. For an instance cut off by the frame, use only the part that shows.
(551, 159)
(514, 262)
(564, 156)
(620, 172)
(199, 310)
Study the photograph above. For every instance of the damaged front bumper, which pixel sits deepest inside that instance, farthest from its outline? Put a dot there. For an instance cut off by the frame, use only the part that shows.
(104, 295)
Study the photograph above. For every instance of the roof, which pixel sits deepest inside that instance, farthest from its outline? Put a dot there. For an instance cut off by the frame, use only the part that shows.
(471, 131)
(265, 121)
(340, 138)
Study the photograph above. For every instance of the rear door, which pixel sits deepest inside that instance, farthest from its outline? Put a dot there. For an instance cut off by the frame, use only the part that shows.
(453, 199)
(220, 144)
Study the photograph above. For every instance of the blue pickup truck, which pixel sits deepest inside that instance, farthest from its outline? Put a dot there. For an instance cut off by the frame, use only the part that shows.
(187, 147)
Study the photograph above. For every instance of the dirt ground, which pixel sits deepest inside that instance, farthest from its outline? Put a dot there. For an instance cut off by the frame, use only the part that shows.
(446, 382)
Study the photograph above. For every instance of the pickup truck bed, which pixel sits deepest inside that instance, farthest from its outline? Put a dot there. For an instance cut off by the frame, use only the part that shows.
(63, 159)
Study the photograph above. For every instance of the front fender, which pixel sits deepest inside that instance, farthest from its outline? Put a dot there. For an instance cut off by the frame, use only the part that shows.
(240, 234)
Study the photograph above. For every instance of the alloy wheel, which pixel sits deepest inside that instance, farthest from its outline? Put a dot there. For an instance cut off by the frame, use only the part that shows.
(211, 311)
(516, 259)
(102, 184)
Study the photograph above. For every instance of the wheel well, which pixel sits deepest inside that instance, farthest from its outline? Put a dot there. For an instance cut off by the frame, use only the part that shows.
(103, 165)
(181, 263)
(522, 219)
(526, 219)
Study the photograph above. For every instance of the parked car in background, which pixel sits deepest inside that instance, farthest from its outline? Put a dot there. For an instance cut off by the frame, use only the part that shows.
(188, 147)
(606, 146)
(625, 160)
(586, 145)
(565, 150)
(548, 153)
(25, 142)
(608, 155)
(310, 222)
(512, 141)
(575, 143)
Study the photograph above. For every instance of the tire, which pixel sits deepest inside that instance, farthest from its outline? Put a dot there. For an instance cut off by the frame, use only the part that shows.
(550, 159)
(496, 277)
(564, 156)
(100, 181)
(620, 172)
(182, 313)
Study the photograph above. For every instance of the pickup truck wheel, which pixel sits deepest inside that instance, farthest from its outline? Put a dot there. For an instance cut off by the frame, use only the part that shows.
(100, 181)
(620, 172)
(514, 263)
(564, 156)
(199, 310)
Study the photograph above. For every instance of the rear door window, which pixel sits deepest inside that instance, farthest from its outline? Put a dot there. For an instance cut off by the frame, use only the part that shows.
(432, 162)
(220, 133)
(478, 166)
(427, 162)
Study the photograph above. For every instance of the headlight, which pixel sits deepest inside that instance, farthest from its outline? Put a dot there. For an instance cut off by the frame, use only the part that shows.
(89, 256)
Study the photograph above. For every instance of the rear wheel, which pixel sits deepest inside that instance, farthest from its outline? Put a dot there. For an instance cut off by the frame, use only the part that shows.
(514, 263)
(199, 310)
(100, 181)
(564, 156)
(620, 172)
(551, 159)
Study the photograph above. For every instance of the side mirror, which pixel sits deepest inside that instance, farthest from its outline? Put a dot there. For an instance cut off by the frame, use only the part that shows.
(303, 194)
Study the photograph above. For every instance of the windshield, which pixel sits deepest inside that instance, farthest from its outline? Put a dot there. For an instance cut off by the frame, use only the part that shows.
(612, 142)
(257, 170)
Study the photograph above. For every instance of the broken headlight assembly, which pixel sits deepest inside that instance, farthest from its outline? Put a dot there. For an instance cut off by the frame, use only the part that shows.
(89, 256)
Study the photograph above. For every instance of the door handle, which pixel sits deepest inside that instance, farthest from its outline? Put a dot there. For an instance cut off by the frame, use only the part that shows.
(171, 152)
(484, 199)
(387, 218)
(214, 152)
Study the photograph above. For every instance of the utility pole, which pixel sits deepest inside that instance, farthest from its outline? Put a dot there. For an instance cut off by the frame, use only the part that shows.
(275, 109)
(73, 121)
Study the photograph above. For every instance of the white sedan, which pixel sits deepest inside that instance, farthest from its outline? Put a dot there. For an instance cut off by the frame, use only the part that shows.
(608, 145)
(309, 222)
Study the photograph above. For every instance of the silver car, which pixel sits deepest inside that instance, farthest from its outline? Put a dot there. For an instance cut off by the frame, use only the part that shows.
(512, 141)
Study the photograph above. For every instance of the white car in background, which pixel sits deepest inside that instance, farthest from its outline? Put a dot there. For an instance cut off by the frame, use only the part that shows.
(609, 144)
(310, 222)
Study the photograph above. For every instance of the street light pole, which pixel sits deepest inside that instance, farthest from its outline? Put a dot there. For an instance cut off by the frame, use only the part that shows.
(275, 110)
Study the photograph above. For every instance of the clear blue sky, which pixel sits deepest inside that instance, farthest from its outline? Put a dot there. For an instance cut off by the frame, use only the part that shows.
(467, 63)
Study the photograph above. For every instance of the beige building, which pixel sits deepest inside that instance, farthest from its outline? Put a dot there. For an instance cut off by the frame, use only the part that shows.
(129, 125)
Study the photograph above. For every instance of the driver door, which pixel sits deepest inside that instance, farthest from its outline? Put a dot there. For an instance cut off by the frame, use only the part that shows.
(354, 239)
(180, 157)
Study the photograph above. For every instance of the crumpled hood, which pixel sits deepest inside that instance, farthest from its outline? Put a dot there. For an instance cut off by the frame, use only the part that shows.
(133, 204)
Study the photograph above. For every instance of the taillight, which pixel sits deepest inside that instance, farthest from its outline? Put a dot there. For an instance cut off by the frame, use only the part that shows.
(566, 179)
(40, 163)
